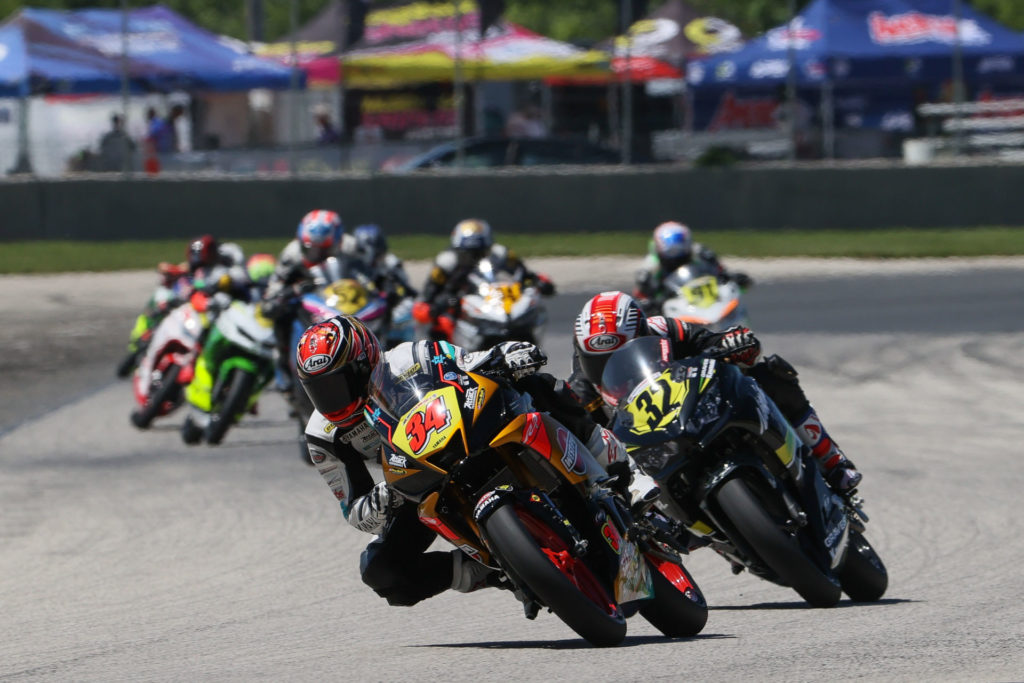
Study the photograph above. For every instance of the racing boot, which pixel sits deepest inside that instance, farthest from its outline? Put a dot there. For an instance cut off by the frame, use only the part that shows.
(635, 486)
(839, 471)
(469, 575)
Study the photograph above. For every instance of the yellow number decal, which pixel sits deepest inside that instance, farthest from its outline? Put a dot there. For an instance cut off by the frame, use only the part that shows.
(702, 292)
(657, 405)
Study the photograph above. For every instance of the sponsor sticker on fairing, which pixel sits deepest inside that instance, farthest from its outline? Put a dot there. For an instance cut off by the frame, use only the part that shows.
(485, 504)
(571, 458)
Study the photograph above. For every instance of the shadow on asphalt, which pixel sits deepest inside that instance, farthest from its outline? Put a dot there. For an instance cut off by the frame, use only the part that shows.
(800, 604)
(571, 644)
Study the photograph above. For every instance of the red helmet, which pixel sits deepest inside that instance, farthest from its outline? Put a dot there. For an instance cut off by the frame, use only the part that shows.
(605, 324)
(202, 252)
(334, 360)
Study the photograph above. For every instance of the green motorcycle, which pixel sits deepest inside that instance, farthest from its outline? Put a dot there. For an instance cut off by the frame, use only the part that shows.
(237, 362)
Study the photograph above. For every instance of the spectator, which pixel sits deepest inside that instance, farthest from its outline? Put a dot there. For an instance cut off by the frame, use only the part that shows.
(115, 146)
(526, 123)
(163, 133)
(327, 134)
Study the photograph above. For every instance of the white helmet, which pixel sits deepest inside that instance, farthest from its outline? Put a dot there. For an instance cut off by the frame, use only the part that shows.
(605, 324)
(673, 244)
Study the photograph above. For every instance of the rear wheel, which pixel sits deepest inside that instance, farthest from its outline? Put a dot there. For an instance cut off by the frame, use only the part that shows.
(167, 391)
(678, 608)
(538, 557)
(239, 390)
(863, 577)
(778, 549)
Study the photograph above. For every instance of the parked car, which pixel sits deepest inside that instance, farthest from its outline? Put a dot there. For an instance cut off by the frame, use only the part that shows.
(496, 152)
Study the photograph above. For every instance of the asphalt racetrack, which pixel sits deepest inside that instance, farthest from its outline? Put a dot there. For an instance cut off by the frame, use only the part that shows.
(129, 556)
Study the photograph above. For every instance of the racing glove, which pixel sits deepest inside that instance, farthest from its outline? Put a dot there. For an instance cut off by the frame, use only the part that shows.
(371, 512)
(521, 358)
(544, 285)
(743, 280)
(738, 345)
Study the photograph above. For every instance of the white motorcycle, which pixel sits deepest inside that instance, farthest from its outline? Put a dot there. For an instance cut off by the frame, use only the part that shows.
(498, 308)
(704, 300)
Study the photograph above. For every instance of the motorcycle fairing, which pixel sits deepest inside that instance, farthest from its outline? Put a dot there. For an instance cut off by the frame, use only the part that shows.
(466, 542)
(703, 300)
(557, 445)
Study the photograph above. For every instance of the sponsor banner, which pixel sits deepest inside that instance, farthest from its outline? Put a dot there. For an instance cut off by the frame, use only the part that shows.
(910, 28)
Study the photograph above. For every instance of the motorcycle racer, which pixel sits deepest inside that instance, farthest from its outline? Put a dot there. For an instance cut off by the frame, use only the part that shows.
(317, 238)
(365, 253)
(672, 246)
(336, 359)
(471, 242)
(610, 319)
(209, 266)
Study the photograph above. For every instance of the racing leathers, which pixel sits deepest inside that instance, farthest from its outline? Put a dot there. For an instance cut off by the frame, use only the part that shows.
(450, 276)
(650, 291)
(396, 565)
(773, 374)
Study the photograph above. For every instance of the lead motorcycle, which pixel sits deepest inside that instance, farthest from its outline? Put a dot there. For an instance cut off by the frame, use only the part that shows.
(735, 475)
(517, 492)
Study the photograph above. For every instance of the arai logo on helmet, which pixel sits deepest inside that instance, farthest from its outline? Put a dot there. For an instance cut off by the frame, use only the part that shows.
(314, 364)
(604, 342)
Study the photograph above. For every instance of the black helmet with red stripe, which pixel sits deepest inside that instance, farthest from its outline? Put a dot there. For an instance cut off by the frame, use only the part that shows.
(334, 360)
(605, 324)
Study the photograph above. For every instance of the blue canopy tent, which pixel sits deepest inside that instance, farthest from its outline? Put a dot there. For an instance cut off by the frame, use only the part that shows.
(891, 52)
(870, 42)
(80, 52)
(166, 50)
(35, 61)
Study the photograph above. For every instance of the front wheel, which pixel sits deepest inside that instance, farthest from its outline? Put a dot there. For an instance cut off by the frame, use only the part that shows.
(128, 363)
(863, 577)
(778, 549)
(167, 392)
(678, 608)
(540, 559)
(237, 397)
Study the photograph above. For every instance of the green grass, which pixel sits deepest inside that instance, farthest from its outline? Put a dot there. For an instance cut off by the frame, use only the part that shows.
(61, 256)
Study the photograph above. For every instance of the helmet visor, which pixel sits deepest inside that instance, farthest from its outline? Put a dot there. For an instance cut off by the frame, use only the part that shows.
(340, 394)
(593, 366)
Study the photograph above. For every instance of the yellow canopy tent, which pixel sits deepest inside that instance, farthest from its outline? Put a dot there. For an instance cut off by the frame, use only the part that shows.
(423, 41)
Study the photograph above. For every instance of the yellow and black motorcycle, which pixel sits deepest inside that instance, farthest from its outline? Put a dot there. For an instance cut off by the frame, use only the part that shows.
(516, 491)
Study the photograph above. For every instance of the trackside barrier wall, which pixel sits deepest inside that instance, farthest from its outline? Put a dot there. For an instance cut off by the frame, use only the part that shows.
(521, 201)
